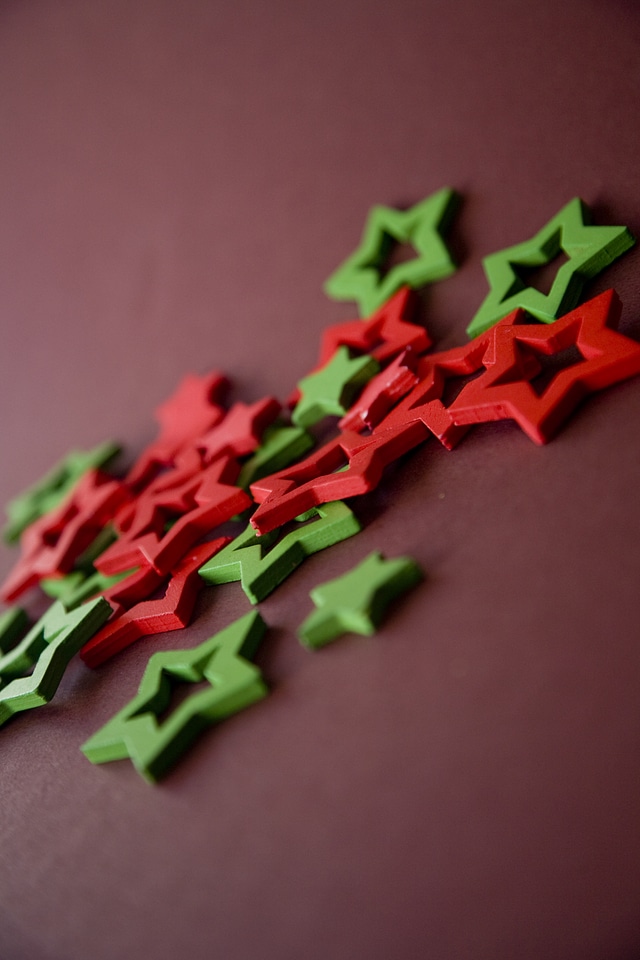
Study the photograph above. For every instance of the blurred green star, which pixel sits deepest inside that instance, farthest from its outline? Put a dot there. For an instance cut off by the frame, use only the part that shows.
(356, 602)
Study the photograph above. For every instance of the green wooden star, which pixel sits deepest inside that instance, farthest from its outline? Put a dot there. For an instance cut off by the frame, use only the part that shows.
(359, 278)
(154, 746)
(281, 445)
(589, 250)
(261, 564)
(51, 489)
(356, 602)
(76, 587)
(46, 651)
(14, 623)
(332, 389)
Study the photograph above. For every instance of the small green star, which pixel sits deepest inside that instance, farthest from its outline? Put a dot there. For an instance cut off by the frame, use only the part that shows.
(356, 602)
(154, 746)
(359, 277)
(589, 250)
(331, 390)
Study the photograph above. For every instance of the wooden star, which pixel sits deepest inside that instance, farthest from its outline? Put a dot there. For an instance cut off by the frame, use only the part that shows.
(589, 250)
(360, 278)
(154, 745)
(504, 392)
(333, 388)
(356, 602)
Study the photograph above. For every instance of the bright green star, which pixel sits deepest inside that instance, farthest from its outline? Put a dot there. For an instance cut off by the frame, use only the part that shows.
(332, 389)
(356, 602)
(359, 277)
(589, 250)
(153, 746)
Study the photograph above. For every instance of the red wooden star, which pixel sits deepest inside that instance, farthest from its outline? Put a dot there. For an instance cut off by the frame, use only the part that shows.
(189, 412)
(241, 430)
(384, 335)
(504, 391)
(171, 612)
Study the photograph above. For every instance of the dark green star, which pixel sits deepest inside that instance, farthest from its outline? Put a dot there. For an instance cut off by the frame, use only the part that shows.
(359, 277)
(589, 250)
(154, 746)
(356, 602)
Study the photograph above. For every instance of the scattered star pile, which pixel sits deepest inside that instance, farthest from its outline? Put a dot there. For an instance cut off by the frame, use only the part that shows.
(126, 557)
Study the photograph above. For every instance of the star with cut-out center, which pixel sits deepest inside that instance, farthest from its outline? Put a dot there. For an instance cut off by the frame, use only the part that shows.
(589, 249)
(360, 277)
(505, 392)
(154, 744)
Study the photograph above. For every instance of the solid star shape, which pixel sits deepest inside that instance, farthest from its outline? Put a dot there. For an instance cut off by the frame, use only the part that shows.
(359, 277)
(332, 389)
(241, 430)
(356, 601)
(189, 412)
(504, 391)
(153, 745)
(589, 250)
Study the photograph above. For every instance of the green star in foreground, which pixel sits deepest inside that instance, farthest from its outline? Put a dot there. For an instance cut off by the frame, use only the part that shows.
(153, 745)
(356, 602)
(360, 277)
(332, 389)
(589, 250)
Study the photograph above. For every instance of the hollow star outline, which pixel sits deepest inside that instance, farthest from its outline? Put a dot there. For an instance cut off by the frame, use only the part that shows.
(153, 746)
(422, 226)
(589, 250)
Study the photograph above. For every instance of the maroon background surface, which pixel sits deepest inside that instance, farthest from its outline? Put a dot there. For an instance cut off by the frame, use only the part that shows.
(176, 182)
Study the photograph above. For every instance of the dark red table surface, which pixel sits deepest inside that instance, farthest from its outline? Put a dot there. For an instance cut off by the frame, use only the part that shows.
(176, 183)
